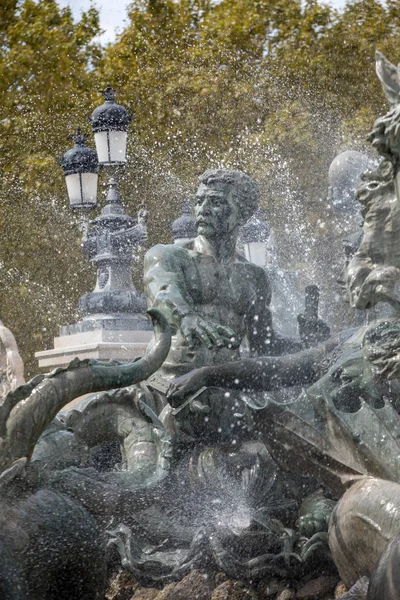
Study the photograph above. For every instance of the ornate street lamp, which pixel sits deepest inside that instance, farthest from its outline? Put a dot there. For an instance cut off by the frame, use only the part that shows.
(80, 166)
(110, 123)
(114, 323)
(108, 240)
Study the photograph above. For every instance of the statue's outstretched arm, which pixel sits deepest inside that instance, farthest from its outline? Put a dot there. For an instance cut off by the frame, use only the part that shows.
(263, 373)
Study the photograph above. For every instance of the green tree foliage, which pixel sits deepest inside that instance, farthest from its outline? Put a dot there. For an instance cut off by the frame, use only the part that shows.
(274, 87)
(252, 84)
(46, 86)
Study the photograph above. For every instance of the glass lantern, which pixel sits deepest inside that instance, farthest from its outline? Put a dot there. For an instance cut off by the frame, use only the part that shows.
(80, 166)
(110, 123)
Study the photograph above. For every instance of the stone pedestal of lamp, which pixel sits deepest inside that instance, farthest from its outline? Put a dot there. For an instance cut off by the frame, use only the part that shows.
(108, 337)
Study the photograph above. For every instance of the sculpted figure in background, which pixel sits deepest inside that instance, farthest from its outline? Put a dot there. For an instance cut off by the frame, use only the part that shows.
(212, 298)
(11, 365)
(373, 274)
(367, 518)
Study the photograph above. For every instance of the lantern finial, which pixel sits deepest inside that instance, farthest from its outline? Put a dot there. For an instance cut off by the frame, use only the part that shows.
(108, 94)
(78, 137)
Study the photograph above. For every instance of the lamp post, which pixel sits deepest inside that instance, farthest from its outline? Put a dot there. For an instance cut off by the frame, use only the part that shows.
(109, 239)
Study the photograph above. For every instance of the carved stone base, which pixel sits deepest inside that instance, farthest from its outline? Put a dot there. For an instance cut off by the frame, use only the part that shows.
(100, 344)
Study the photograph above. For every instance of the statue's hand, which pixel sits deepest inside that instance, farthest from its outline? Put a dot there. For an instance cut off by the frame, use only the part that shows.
(197, 331)
(185, 386)
(312, 331)
(316, 548)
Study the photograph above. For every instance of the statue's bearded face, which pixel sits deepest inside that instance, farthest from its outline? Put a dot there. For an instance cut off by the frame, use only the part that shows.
(217, 210)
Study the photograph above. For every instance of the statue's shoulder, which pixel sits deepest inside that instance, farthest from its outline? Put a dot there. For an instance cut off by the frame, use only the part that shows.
(167, 253)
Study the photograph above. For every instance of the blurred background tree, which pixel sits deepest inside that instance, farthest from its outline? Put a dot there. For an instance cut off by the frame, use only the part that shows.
(273, 87)
(47, 80)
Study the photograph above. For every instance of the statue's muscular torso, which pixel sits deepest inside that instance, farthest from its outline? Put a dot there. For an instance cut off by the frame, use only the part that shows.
(180, 280)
